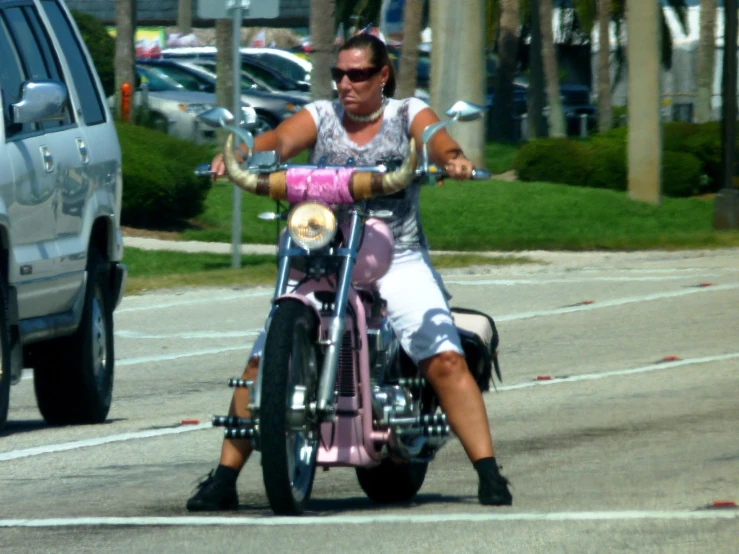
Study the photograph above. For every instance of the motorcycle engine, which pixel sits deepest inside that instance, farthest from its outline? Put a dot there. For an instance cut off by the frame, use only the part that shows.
(391, 401)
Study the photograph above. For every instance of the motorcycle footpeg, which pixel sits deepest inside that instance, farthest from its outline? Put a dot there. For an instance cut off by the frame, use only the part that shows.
(246, 383)
(426, 431)
(413, 382)
(238, 433)
(231, 421)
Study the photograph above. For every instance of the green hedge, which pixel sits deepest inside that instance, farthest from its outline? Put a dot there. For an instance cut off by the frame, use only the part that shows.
(691, 160)
(160, 188)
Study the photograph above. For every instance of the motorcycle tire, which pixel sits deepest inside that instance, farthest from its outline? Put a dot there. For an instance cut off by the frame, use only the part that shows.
(288, 455)
(390, 482)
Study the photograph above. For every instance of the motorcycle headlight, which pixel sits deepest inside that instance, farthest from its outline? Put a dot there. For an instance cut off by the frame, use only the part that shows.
(312, 225)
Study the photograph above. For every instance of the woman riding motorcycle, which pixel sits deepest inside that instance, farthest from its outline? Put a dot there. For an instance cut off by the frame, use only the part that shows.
(366, 124)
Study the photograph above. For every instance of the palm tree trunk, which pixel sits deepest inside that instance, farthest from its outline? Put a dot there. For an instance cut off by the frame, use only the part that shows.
(224, 69)
(458, 67)
(412, 14)
(125, 69)
(536, 124)
(184, 17)
(322, 33)
(502, 116)
(551, 70)
(706, 60)
(605, 109)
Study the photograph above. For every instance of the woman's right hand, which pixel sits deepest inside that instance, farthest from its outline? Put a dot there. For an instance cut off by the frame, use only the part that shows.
(217, 167)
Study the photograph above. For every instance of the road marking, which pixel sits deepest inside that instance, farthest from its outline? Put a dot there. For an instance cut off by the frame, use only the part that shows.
(50, 449)
(190, 335)
(208, 300)
(615, 302)
(53, 448)
(659, 366)
(195, 521)
(165, 357)
(511, 282)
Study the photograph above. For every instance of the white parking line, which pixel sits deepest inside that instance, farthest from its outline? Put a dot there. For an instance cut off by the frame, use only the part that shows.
(50, 449)
(195, 521)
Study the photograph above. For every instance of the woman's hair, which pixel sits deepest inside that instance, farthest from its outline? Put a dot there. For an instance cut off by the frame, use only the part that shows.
(378, 56)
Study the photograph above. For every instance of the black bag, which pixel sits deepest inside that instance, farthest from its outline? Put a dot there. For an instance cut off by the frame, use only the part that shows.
(480, 340)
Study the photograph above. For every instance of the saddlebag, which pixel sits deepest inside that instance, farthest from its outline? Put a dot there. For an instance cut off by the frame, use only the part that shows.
(480, 343)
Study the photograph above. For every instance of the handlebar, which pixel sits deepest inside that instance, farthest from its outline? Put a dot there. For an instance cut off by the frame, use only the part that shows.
(436, 173)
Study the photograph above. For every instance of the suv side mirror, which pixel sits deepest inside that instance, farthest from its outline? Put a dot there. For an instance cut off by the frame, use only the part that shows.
(40, 101)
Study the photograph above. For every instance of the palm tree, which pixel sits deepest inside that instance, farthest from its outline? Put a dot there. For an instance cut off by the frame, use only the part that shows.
(706, 59)
(551, 71)
(125, 70)
(184, 17)
(322, 32)
(412, 15)
(605, 109)
(508, 27)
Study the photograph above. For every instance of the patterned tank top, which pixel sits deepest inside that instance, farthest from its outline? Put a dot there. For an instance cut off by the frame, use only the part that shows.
(336, 148)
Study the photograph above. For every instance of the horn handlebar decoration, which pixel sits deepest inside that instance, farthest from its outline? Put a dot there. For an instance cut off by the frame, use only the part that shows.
(330, 186)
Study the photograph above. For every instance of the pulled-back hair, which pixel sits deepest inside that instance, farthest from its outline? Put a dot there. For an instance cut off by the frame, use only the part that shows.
(378, 56)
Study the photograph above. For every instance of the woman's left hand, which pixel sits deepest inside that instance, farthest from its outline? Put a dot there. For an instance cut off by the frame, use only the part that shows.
(459, 168)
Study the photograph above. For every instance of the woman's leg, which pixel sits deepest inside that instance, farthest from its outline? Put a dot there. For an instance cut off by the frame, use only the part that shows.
(462, 401)
(235, 452)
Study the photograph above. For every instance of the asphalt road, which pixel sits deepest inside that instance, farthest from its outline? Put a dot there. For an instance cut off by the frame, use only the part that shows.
(616, 423)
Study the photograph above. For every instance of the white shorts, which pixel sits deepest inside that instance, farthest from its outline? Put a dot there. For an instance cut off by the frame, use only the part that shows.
(416, 305)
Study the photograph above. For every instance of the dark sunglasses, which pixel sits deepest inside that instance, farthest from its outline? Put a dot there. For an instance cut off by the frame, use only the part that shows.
(355, 75)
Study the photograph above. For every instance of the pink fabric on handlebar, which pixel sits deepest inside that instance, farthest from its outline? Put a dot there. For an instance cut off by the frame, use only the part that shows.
(330, 186)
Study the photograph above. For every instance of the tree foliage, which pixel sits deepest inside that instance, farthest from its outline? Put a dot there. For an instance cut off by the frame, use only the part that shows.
(101, 46)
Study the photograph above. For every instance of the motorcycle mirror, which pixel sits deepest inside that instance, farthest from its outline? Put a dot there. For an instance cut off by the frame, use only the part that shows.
(217, 117)
(465, 111)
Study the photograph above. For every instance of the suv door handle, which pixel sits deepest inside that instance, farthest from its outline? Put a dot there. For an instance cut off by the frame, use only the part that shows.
(84, 154)
(47, 158)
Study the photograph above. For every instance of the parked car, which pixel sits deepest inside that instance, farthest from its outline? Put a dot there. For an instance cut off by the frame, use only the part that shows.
(292, 66)
(575, 103)
(61, 274)
(172, 108)
(271, 107)
(250, 64)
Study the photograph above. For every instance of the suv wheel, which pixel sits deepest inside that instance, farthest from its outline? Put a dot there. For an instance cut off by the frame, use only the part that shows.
(4, 353)
(73, 376)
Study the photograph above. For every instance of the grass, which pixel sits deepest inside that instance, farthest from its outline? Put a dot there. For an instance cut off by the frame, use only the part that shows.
(497, 215)
(149, 270)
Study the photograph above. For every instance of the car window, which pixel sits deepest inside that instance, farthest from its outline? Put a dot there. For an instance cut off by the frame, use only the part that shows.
(36, 53)
(156, 80)
(82, 74)
(263, 74)
(247, 82)
(11, 77)
(186, 79)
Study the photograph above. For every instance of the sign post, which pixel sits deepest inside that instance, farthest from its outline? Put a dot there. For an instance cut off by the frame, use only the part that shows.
(238, 10)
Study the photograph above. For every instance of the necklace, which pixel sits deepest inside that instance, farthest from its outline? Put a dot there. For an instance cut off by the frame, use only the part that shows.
(366, 118)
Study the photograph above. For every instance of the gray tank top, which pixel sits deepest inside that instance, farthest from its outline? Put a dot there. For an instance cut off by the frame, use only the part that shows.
(336, 148)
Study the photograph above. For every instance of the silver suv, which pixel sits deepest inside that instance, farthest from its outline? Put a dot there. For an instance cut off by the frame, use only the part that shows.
(61, 274)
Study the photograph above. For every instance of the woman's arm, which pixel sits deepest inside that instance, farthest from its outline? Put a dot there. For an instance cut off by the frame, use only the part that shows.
(289, 138)
(443, 150)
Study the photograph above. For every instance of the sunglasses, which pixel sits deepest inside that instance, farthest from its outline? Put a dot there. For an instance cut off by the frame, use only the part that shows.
(355, 75)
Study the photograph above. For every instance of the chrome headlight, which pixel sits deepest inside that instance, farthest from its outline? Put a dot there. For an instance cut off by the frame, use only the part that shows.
(312, 225)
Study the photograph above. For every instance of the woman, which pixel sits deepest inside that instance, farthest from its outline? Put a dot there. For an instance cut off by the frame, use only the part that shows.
(367, 124)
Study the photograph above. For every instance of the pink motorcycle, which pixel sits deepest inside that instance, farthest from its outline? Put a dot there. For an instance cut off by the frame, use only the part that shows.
(335, 387)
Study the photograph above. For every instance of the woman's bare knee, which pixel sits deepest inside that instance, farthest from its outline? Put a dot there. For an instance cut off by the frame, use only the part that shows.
(444, 366)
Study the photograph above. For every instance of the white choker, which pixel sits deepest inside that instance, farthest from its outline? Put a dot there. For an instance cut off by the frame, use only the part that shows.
(366, 118)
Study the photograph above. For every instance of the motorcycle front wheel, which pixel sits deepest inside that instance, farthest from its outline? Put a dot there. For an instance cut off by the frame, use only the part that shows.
(288, 432)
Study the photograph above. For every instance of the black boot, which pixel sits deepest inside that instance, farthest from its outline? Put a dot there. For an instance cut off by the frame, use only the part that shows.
(493, 487)
(217, 491)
